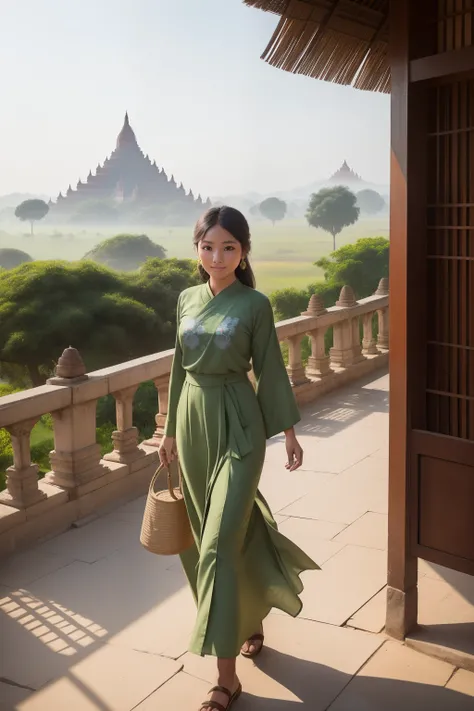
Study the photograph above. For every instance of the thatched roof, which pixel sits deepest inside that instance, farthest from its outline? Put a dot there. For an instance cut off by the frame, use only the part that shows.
(343, 41)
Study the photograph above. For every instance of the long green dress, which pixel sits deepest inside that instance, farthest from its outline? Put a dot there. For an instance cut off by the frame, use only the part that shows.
(240, 566)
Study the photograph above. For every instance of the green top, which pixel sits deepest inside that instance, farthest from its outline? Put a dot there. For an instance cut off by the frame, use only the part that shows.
(219, 335)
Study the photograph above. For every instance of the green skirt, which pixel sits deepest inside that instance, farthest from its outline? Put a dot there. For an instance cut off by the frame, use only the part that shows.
(240, 566)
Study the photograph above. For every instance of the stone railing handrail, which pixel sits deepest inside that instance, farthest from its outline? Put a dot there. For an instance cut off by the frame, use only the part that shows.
(36, 402)
(334, 314)
(81, 481)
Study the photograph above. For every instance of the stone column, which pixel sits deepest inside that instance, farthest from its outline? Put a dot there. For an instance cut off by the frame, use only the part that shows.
(318, 363)
(357, 356)
(125, 437)
(369, 346)
(76, 457)
(383, 337)
(22, 478)
(346, 340)
(162, 385)
(295, 368)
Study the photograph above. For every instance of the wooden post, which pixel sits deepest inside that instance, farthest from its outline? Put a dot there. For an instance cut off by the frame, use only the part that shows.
(407, 313)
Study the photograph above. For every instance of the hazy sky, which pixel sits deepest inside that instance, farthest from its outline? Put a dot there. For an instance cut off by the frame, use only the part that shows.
(201, 101)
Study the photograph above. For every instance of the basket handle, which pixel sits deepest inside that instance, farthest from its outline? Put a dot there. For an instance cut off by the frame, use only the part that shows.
(169, 482)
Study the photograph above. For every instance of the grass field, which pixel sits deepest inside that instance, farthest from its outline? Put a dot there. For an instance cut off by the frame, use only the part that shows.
(282, 256)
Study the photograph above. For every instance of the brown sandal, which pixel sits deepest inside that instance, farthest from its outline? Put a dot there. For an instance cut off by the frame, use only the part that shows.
(216, 705)
(254, 638)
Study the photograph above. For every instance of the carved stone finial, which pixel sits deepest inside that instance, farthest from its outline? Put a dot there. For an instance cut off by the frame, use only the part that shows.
(70, 365)
(346, 298)
(315, 307)
(382, 289)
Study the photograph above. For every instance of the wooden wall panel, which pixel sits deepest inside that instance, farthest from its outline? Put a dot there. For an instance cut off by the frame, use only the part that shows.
(446, 523)
(450, 345)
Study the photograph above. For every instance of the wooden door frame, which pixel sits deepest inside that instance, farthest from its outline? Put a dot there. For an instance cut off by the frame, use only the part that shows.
(414, 70)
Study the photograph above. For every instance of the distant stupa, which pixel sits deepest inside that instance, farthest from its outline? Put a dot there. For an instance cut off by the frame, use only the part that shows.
(345, 176)
(128, 175)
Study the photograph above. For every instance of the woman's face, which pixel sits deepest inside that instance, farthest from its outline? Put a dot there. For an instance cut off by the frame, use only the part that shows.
(220, 253)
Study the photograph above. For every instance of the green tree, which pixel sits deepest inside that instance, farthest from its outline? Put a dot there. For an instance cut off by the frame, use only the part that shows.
(31, 211)
(332, 209)
(370, 202)
(273, 209)
(158, 285)
(125, 252)
(11, 258)
(109, 316)
(361, 265)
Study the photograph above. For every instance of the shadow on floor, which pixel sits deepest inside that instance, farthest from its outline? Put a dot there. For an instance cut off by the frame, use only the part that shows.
(314, 685)
(336, 411)
(66, 616)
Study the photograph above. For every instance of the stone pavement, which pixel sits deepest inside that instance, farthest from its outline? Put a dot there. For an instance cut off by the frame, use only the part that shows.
(90, 621)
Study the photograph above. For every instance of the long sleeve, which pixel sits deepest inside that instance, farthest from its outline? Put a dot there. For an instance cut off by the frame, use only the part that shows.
(177, 378)
(275, 395)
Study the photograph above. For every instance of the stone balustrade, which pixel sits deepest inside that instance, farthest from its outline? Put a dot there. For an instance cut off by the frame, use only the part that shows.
(82, 483)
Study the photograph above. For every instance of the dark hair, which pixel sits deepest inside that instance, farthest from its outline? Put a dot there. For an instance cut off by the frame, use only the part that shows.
(234, 222)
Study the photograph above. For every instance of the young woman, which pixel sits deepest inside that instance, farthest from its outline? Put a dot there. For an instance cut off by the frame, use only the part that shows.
(240, 566)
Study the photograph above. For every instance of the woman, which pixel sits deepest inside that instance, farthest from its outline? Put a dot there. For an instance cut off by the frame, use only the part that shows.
(240, 566)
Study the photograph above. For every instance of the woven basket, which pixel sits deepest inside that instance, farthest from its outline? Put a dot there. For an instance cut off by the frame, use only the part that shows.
(165, 527)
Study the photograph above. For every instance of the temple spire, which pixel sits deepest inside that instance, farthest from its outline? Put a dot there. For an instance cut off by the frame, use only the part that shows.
(128, 175)
(126, 135)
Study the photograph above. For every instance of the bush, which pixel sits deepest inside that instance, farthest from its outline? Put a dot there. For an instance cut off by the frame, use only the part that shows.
(109, 316)
(104, 437)
(288, 303)
(125, 252)
(361, 265)
(40, 455)
(11, 258)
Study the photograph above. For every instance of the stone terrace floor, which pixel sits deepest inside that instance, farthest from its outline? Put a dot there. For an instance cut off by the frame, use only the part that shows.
(91, 621)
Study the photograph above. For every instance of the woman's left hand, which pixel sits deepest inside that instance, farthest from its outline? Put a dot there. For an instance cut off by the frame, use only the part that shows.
(294, 452)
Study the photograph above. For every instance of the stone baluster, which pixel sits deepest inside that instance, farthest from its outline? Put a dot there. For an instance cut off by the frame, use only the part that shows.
(125, 437)
(162, 386)
(22, 478)
(383, 337)
(383, 317)
(295, 368)
(369, 345)
(346, 348)
(76, 458)
(318, 362)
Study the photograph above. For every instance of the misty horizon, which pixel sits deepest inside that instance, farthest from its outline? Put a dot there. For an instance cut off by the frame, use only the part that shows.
(207, 109)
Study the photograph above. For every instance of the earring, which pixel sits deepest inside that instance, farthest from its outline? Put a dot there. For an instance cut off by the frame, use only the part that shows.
(243, 265)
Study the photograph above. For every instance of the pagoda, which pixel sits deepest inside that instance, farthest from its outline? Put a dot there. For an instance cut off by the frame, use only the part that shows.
(128, 176)
(345, 176)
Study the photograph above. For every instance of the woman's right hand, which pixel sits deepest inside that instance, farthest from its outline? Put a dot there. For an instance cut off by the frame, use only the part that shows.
(167, 450)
